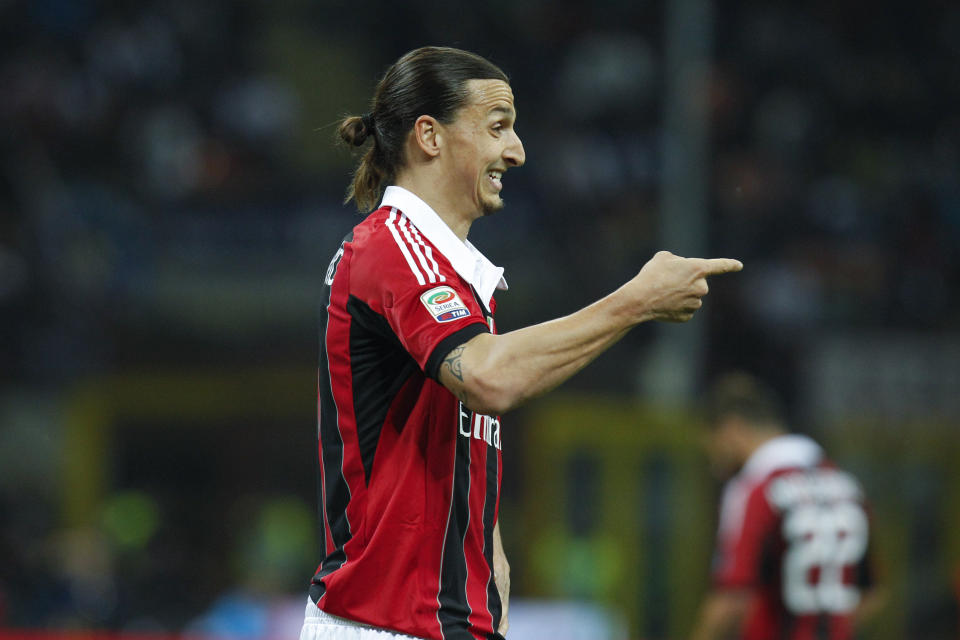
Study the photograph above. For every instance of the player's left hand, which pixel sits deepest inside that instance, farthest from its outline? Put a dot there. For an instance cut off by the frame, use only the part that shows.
(501, 577)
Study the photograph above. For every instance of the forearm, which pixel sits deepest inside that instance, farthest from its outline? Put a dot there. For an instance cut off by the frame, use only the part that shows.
(495, 373)
(721, 612)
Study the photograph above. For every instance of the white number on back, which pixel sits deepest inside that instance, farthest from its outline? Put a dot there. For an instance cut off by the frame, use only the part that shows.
(828, 537)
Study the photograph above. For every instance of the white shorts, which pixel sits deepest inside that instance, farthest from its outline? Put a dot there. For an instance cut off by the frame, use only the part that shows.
(320, 625)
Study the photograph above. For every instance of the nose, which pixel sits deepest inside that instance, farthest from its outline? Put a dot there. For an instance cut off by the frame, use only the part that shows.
(514, 154)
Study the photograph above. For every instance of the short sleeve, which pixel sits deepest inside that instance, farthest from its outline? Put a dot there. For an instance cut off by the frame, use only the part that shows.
(430, 321)
(413, 289)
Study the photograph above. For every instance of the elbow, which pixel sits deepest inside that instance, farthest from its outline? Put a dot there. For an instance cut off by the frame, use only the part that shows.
(492, 394)
(487, 402)
(492, 384)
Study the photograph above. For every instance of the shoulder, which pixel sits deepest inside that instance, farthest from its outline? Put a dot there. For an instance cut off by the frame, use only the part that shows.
(379, 241)
(372, 234)
(743, 497)
(388, 234)
(389, 252)
(822, 484)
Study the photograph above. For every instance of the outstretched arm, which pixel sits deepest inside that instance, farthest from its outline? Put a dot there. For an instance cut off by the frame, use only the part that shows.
(494, 373)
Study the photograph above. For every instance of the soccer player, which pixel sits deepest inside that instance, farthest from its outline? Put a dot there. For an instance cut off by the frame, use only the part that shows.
(413, 375)
(792, 557)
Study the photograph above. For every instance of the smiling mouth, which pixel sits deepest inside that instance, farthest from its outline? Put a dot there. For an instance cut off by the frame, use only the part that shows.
(495, 178)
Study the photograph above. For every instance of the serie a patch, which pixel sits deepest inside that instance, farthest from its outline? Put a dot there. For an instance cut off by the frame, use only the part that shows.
(444, 304)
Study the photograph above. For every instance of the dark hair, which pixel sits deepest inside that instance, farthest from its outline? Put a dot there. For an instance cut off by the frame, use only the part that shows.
(741, 394)
(427, 81)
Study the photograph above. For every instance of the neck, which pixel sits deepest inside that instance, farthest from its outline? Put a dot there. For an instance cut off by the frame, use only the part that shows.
(429, 188)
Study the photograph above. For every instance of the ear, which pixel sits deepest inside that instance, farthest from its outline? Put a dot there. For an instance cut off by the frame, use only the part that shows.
(427, 135)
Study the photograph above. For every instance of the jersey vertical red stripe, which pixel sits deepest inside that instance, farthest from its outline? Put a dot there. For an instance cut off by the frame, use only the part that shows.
(409, 479)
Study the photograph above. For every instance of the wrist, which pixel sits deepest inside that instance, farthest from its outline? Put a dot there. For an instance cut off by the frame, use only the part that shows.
(629, 308)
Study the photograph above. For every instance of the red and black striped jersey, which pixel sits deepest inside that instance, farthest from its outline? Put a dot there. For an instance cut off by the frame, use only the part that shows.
(409, 478)
(795, 531)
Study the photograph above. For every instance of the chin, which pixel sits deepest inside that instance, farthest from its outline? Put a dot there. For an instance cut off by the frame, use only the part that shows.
(489, 208)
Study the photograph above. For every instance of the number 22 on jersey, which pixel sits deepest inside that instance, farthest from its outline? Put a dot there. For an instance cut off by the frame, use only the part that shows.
(823, 540)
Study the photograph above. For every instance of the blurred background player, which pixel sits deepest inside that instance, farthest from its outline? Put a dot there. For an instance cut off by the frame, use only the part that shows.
(792, 552)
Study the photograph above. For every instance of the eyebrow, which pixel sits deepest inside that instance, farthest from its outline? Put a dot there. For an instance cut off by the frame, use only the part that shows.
(507, 111)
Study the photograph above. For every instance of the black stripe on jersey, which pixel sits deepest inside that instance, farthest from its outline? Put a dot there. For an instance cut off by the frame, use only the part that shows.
(337, 491)
(494, 605)
(454, 612)
(788, 623)
(863, 573)
(319, 480)
(333, 501)
(380, 367)
(448, 344)
(822, 632)
(331, 563)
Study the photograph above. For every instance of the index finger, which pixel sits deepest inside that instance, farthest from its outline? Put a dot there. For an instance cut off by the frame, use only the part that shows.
(716, 266)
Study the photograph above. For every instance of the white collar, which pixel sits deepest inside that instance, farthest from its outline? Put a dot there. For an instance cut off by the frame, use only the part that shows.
(466, 259)
(791, 450)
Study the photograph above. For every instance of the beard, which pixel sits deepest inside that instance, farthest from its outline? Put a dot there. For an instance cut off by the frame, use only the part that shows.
(488, 207)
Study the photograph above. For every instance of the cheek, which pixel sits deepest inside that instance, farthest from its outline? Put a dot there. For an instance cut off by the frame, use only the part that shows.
(464, 169)
(721, 450)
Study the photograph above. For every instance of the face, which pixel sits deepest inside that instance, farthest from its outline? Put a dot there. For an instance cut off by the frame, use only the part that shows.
(482, 144)
(722, 447)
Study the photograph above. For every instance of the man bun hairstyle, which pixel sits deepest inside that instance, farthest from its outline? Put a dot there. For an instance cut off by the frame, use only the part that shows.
(426, 81)
(356, 129)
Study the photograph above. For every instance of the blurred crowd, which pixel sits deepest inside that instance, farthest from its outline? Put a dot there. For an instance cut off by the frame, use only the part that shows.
(158, 154)
(170, 190)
